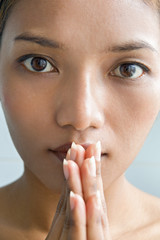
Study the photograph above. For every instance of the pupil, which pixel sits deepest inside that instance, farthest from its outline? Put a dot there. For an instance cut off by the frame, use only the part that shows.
(127, 70)
(39, 64)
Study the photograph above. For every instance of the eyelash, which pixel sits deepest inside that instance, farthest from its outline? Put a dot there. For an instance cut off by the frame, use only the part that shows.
(33, 56)
(140, 65)
(55, 69)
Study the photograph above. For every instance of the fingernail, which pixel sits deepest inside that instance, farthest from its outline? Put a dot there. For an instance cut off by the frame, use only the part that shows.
(92, 166)
(73, 152)
(68, 156)
(98, 151)
(65, 169)
(72, 202)
(73, 145)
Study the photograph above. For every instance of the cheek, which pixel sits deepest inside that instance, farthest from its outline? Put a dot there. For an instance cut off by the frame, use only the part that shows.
(131, 119)
(22, 112)
(15, 108)
(144, 108)
(139, 107)
(141, 111)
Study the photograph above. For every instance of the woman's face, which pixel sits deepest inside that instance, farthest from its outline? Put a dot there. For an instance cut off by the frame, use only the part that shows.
(100, 81)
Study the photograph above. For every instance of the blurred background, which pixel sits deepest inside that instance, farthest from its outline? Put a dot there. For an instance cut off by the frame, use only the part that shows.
(144, 173)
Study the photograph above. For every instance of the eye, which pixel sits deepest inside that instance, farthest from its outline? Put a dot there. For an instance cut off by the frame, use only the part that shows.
(130, 70)
(37, 64)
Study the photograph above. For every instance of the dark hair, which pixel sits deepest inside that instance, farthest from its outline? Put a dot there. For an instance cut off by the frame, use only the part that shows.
(153, 3)
(6, 6)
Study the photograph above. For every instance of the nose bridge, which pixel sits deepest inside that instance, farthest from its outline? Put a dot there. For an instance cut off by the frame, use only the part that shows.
(79, 105)
(82, 93)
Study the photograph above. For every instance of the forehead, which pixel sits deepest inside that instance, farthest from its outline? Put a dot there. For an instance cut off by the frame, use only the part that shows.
(86, 22)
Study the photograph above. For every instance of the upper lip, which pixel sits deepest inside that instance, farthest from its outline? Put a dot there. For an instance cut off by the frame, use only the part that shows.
(64, 148)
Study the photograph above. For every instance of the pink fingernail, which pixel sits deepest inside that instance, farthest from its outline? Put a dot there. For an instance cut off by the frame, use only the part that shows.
(72, 202)
(73, 152)
(65, 169)
(68, 157)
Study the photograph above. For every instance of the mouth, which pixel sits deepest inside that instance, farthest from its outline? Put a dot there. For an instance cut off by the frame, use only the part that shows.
(62, 155)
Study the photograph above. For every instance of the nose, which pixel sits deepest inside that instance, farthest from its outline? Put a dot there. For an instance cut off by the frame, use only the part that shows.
(80, 104)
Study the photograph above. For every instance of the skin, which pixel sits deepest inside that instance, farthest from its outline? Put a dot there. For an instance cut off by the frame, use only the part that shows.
(84, 101)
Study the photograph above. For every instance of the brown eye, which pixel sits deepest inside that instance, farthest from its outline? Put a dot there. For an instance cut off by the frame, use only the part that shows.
(38, 64)
(129, 70)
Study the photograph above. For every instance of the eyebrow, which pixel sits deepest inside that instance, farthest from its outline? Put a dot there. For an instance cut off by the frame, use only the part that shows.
(132, 46)
(124, 47)
(43, 41)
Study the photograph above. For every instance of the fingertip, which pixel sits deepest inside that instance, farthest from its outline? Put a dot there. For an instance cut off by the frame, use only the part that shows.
(75, 199)
(74, 145)
(80, 148)
(65, 169)
(72, 200)
(68, 154)
(80, 199)
(80, 155)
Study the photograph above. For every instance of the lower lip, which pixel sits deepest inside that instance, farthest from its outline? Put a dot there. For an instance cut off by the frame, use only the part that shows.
(61, 156)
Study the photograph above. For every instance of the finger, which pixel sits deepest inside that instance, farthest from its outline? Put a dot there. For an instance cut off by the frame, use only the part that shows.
(94, 213)
(80, 155)
(77, 224)
(76, 153)
(73, 180)
(95, 150)
(71, 168)
(94, 224)
(72, 175)
(99, 217)
(100, 185)
(88, 177)
(92, 180)
(90, 151)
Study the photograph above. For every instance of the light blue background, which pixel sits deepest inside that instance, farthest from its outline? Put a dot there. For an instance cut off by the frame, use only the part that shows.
(144, 173)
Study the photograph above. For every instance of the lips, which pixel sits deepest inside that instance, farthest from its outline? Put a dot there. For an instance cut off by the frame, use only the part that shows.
(67, 146)
(61, 151)
(60, 155)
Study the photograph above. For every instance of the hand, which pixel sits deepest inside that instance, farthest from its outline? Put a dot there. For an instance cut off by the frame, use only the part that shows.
(81, 213)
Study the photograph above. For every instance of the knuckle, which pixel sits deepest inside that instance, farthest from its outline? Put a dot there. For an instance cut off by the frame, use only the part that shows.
(98, 220)
(93, 187)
